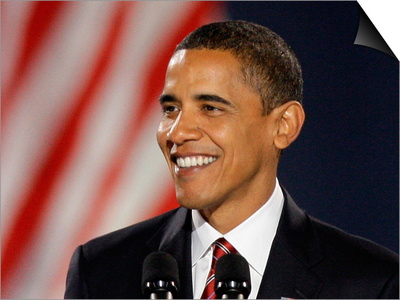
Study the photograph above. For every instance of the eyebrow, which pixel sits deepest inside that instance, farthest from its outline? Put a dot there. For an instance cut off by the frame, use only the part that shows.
(201, 97)
(166, 98)
(213, 98)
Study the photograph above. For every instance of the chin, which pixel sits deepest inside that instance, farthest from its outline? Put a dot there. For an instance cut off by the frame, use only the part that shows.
(188, 203)
(192, 201)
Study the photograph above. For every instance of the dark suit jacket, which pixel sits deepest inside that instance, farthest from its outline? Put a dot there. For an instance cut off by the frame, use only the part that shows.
(308, 259)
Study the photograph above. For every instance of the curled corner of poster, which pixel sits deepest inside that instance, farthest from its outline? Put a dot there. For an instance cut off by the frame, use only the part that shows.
(377, 26)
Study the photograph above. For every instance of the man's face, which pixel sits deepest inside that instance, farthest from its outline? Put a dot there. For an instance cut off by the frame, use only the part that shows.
(217, 142)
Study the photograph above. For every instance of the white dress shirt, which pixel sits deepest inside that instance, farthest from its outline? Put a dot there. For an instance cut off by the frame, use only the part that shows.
(252, 239)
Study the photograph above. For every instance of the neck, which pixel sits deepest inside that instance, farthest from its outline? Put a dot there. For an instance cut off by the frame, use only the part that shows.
(232, 212)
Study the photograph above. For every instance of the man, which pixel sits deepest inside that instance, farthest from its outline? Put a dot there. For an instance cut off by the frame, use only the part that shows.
(231, 103)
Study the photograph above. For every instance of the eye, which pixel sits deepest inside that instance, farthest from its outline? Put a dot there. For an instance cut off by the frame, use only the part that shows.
(210, 108)
(169, 109)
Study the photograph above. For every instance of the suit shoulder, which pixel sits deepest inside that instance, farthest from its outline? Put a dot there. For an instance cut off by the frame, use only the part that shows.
(353, 249)
(354, 266)
(131, 237)
(110, 266)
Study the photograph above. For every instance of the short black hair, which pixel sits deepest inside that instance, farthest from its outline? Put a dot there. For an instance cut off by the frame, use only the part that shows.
(269, 65)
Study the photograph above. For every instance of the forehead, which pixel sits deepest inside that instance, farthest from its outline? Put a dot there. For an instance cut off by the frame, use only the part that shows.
(209, 67)
(199, 56)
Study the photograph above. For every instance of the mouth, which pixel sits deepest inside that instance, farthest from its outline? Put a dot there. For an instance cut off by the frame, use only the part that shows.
(193, 161)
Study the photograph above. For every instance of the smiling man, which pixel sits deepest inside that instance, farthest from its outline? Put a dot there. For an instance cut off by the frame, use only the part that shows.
(231, 103)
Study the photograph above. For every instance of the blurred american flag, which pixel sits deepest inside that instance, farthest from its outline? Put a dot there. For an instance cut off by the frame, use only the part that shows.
(79, 114)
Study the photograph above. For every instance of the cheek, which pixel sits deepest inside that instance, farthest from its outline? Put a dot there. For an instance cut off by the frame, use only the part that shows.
(164, 126)
(228, 133)
(231, 139)
(221, 134)
(162, 131)
(162, 140)
(160, 137)
(245, 143)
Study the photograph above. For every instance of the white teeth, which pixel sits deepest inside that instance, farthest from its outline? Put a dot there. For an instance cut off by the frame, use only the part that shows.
(194, 161)
(187, 162)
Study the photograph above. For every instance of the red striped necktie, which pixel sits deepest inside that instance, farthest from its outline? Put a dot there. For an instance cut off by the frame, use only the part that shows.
(221, 247)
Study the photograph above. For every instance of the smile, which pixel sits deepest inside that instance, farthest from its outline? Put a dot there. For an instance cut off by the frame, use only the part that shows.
(193, 161)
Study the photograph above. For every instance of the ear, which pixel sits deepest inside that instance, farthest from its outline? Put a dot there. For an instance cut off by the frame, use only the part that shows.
(290, 120)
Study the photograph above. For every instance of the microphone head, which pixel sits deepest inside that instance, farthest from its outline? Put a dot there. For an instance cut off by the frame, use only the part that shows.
(232, 276)
(160, 270)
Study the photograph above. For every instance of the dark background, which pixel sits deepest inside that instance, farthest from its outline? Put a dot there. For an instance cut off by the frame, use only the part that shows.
(343, 169)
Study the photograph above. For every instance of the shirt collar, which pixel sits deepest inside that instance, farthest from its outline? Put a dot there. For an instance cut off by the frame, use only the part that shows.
(246, 237)
(203, 235)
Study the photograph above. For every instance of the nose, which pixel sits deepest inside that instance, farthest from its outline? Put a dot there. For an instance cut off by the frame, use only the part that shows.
(184, 129)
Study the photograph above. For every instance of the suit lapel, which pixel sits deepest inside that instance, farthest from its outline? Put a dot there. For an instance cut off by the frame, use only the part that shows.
(175, 238)
(295, 249)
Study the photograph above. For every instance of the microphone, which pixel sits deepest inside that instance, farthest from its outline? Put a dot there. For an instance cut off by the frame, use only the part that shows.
(160, 277)
(232, 277)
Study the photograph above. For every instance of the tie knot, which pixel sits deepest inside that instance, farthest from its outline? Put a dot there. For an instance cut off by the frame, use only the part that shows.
(222, 247)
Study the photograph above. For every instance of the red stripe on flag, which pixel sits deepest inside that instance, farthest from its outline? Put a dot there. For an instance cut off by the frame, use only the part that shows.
(44, 15)
(36, 201)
